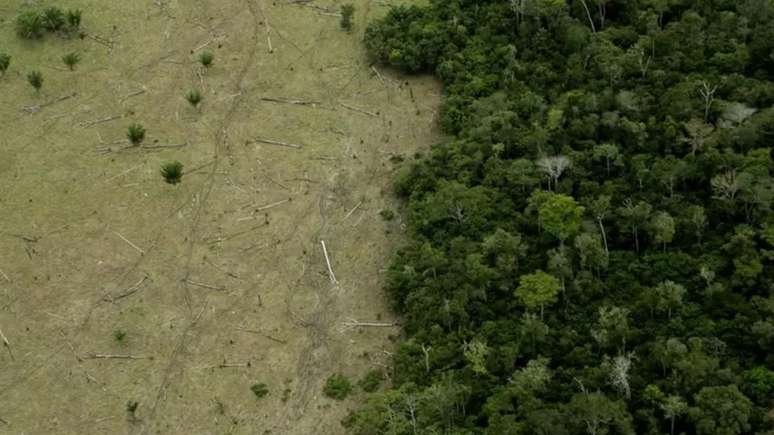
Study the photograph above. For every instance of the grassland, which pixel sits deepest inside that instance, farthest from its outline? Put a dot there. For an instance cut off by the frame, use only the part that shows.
(219, 282)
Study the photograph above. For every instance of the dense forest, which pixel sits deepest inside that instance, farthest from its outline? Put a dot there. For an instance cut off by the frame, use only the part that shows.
(592, 250)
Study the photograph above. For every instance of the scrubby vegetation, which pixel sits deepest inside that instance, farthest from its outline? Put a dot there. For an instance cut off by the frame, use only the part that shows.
(33, 24)
(337, 387)
(194, 97)
(71, 59)
(593, 251)
(347, 11)
(206, 58)
(172, 172)
(136, 134)
(5, 62)
(260, 390)
(35, 79)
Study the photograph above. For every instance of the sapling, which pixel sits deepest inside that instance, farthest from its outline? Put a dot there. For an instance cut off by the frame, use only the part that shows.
(71, 59)
(347, 11)
(194, 97)
(135, 134)
(36, 80)
(5, 62)
(206, 58)
(172, 172)
(73, 18)
(119, 335)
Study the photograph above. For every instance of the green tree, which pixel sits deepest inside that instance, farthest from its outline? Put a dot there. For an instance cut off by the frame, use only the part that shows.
(561, 216)
(536, 290)
(595, 414)
(634, 216)
(667, 296)
(721, 411)
(71, 59)
(662, 228)
(673, 407)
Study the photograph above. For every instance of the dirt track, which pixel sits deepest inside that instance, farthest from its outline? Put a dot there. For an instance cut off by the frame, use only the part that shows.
(219, 282)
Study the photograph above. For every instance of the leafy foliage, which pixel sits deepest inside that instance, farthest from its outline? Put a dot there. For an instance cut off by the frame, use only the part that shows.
(35, 79)
(5, 62)
(610, 167)
(206, 58)
(371, 381)
(71, 59)
(260, 390)
(136, 134)
(347, 11)
(194, 97)
(30, 25)
(337, 387)
(172, 172)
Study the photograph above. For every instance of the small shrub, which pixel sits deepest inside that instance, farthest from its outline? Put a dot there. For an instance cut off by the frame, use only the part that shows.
(172, 172)
(135, 134)
(53, 19)
(205, 58)
(337, 387)
(119, 335)
(71, 59)
(260, 390)
(371, 381)
(29, 25)
(194, 97)
(73, 18)
(5, 62)
(36, 79)
(387, 215)
(131, 409)
(347, 11)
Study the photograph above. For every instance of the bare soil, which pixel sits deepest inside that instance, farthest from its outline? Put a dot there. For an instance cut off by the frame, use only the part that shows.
(219, 282)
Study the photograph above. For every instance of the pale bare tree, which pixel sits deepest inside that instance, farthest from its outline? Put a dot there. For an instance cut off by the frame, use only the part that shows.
(726, 185)
(707, 92)
(619, 373)
(553, 167)
(735, 114)
(698, 132)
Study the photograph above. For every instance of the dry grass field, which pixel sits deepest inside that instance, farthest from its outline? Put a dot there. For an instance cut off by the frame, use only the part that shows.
(219, 282)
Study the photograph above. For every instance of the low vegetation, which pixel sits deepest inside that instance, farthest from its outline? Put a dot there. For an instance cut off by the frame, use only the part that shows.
(32, 24)
(35, 79)
(5, 63)
(347, 12)
(172, 172)
(206, 58)
(194, 97)
(337, 387)
(260, 390)
(136, 134)
(71, 59)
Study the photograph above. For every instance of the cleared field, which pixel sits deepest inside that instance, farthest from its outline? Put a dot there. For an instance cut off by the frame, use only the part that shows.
(219, 282)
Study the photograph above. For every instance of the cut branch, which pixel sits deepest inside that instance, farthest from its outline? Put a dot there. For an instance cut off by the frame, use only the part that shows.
(328, 262)
(130, 243)
(276, 142)
(128, 292)
(88, 124)
(291, 101)
(7, 344)
(111, 356)
(263, 334)
(365, 112)
(199, 284)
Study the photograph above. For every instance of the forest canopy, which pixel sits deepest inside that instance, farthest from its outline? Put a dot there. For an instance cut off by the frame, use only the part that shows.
(591, 251)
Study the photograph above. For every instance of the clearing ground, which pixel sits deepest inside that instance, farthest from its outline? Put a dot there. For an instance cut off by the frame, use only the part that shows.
(219, 282)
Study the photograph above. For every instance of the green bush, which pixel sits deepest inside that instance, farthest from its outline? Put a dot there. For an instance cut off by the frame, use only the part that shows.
(73, 18)
(29, 25)
(119, 335)
(5, 62)
(347, 11)
(71, 59)
(194, 97)
(260, 390)
(337, 387)
(371, 381)
(35, 78)
(136, 134)
(53, 19)
(172, 172)
(205, 58)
